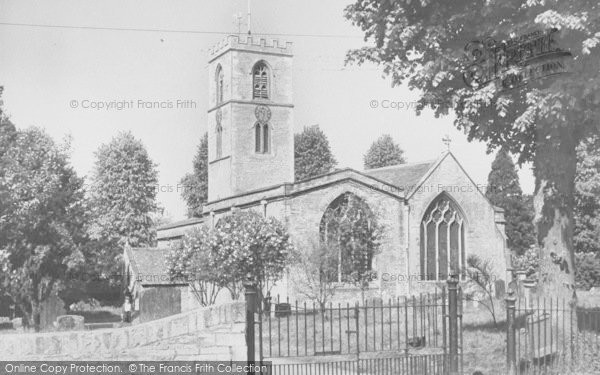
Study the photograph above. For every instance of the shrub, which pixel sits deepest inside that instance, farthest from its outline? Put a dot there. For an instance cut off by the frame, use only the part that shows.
(587, 270)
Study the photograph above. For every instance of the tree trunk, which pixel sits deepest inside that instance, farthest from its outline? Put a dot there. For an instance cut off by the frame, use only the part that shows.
(36, 314)
(554, 168)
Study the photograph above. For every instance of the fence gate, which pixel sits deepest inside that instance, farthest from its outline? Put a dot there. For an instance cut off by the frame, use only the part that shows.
(408, 335)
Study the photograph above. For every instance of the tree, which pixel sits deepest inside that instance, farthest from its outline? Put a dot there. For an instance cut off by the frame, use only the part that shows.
(504, 190)
(122, 201)
(423, 44)
(481, 276)
(41, 220)
(587, 197)
(243, 246)
(195, 262)
(251, 248)
(194, 186)
(312, 154)
(383, 153)
(316, 273)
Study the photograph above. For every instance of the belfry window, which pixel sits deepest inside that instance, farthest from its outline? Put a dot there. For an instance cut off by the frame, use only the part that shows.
(261, 138)
(260, 81)
(442, 240)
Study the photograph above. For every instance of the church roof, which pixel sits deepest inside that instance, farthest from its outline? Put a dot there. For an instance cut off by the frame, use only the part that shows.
(149, 266)
(405, 176)
(180, 223)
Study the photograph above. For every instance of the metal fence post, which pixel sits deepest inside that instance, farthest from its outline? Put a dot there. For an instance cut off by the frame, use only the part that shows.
(453, 323)
(250, 295)
(511, 339)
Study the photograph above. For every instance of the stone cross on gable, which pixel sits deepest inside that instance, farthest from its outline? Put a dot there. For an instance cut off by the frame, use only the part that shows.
(447, 141)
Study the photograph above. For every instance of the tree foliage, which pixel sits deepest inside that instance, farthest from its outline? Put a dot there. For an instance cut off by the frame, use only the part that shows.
(383, 152)
(194, 186)
(122, 201)
(587, 273)
(253, 248)
(504, 190)
(195, 261)
(587, 197)
(243, 247)
(312, 154)
(422, 44)
(41, 219)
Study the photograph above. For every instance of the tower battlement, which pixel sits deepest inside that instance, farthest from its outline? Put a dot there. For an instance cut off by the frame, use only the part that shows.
(250, 43)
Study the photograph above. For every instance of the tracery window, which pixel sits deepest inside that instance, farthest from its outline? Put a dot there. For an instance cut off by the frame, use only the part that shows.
(347, 234)
(442, 240)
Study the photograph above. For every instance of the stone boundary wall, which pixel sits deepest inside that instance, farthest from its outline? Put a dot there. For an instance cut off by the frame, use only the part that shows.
(229, 317)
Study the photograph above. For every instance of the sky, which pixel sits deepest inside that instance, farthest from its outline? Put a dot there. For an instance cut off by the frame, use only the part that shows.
(58, 57)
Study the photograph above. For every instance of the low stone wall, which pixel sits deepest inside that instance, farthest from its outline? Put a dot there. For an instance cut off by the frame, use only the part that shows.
(89, 345)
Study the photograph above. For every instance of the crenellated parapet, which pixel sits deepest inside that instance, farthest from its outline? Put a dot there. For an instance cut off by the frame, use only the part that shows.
(250, 43)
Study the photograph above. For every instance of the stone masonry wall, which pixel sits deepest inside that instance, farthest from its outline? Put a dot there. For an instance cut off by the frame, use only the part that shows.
(209, 333)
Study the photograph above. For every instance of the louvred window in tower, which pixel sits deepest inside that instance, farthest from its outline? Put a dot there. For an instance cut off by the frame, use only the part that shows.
(260, 80)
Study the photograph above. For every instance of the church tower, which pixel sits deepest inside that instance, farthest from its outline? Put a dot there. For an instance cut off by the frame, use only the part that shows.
(250, 116)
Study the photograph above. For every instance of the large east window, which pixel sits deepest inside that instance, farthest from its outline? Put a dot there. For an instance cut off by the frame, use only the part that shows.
(442, 240)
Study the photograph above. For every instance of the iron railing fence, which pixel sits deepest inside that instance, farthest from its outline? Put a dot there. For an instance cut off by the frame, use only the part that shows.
(401, 324)
(553, 337)
(426, 364)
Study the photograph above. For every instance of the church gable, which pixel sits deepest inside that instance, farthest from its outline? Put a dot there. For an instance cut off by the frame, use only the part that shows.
(449, 199)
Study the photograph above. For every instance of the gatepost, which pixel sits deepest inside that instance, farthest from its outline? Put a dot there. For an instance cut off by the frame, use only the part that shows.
(250, 295)
(453, 323)
(511, 341)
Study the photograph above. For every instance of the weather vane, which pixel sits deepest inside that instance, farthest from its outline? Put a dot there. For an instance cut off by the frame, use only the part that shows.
(447, 141)
(237, 19)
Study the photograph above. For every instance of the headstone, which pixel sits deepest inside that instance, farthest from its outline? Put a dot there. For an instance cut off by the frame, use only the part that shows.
(595, 290)
(70, 323)
(500, 290)
(17, 323)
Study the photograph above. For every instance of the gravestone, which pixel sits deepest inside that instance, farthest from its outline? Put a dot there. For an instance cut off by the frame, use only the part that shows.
(17, 323)
(500, 288)
(69, 323)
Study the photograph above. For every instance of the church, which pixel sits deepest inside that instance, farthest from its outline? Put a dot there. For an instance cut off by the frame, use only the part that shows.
(432, 213)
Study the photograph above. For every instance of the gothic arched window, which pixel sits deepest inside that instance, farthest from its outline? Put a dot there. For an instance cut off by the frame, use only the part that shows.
(442, 240)
(347, 236)
(260, 81)
(261, 138)
(219, 84)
